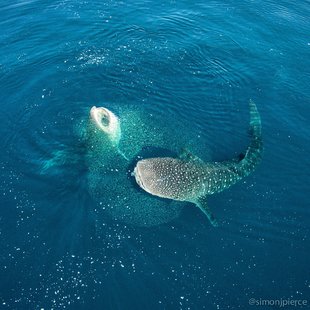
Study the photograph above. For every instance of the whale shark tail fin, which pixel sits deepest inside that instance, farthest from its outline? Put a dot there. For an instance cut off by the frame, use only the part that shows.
(253, 154)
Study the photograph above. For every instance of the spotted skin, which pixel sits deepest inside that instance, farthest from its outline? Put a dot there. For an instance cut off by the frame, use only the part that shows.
(193, 180)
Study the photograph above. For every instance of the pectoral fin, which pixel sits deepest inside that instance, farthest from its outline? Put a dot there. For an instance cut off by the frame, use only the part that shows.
(122, 154)
(202, 204)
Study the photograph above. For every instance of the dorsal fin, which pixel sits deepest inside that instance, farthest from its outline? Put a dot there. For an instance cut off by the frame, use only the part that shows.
(187, 155)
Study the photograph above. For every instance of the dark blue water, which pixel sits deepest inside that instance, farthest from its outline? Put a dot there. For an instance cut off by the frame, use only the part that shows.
(190, 68)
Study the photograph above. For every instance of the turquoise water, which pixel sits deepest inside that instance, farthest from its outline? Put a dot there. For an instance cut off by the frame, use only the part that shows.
(178, 74)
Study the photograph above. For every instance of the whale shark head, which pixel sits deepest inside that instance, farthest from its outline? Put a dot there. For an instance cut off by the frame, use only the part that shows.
(166, 178)
(144, 176)
(106, 121)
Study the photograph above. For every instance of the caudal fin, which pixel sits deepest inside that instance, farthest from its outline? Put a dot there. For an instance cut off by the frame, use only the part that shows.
(254, 152)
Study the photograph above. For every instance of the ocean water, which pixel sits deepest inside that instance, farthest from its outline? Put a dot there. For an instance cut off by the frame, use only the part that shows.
(179, 74)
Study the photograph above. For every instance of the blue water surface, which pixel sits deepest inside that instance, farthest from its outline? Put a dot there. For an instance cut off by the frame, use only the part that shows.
(191, 67)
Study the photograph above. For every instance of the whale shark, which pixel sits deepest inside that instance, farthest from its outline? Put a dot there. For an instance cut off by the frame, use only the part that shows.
(109, 182)
(189, 179)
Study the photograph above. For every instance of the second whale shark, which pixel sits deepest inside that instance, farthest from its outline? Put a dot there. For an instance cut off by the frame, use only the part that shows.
(189, 179)
(114, 144)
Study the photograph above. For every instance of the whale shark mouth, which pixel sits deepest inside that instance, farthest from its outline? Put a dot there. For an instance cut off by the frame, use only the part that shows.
(102, 118)
(106, 121)
(137, 175)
